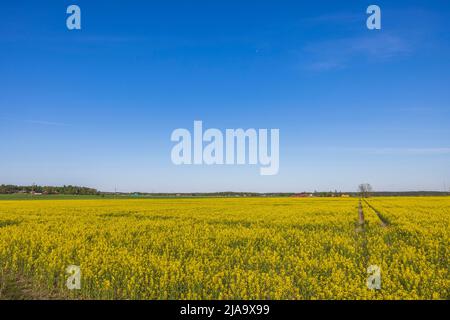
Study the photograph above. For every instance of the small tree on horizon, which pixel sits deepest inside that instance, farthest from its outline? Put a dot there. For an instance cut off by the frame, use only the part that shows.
(365, 189)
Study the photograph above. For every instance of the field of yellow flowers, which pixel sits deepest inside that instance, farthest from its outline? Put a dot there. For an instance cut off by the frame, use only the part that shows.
(229, 248)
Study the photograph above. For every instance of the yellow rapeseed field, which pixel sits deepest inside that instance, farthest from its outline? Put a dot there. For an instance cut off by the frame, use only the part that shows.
(226, 248)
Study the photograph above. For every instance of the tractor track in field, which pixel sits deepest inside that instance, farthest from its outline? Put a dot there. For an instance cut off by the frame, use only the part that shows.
(360, 214)
(361, 236)
(361, 223)
(384, 222)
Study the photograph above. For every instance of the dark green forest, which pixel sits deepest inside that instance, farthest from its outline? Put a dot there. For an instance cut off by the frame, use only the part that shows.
(10, 189)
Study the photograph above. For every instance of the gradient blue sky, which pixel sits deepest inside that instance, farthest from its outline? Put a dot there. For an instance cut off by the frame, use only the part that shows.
(96, 107)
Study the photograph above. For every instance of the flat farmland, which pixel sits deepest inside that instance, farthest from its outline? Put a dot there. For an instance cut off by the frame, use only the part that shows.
(226, 248)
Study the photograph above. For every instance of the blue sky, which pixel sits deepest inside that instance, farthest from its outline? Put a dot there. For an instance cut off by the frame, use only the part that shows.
(97, 106)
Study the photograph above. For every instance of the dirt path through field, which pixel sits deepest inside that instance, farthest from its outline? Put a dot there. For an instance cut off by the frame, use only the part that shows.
(384, 222)
(20, 288)
(360, 213)
(361, 237)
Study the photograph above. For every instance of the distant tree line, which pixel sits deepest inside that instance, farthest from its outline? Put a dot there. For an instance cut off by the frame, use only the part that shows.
(364, 190)
(8, 189)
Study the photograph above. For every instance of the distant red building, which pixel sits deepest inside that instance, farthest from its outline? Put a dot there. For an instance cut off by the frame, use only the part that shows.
(302, 195)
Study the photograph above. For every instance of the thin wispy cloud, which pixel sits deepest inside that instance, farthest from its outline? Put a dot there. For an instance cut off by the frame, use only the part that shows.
(393, 151)
(339, 53)
(47, 123)
(379, 46)
(409, 151)
(399, 37)
(111, 38)
(335, 18)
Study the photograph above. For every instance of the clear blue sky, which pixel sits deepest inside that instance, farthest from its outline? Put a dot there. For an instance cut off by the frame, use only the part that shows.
(96, 107)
